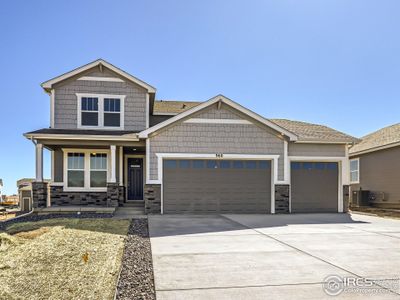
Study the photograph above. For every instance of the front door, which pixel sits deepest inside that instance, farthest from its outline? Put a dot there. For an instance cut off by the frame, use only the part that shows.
(135, 178)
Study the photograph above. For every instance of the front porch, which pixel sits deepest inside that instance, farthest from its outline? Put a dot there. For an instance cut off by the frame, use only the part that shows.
(95, 174)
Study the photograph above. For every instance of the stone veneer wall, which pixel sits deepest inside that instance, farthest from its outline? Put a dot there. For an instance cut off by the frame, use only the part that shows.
(152, 198)
(346, 198)
(114, 196)
(39, 194)
(282, 198)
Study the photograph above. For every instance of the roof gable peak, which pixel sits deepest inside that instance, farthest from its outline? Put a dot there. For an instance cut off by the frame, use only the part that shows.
(48, 85)
(223, 99)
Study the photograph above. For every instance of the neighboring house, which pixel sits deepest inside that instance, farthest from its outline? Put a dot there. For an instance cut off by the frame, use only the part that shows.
(375, 167)
(24, 186)
(112, 143)
(10, 200)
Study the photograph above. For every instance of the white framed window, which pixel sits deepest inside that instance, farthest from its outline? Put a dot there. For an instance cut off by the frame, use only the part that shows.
(355, 170)
(100, 111)
(86, 170)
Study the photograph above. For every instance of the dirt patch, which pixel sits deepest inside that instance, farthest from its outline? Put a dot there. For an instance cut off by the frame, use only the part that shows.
(136, 279)
(4, 217)
(380, 212)
(62, 259)
(32, 233)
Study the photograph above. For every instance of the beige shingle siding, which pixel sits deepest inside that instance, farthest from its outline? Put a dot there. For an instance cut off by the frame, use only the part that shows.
(65, 108)
(328, 150)
(215, 138)
(314, 132)
(225, 112)
(304, 131)
(383, 137)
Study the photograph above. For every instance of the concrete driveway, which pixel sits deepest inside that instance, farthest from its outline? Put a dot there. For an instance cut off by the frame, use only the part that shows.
(272, 256)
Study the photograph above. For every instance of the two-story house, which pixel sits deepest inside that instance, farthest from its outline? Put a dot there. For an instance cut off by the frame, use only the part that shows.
(112, 143)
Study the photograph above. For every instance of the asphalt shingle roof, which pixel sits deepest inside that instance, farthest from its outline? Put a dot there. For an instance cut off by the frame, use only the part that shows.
(172, 106)
(314, 132)
(382, 137)
(305, 131)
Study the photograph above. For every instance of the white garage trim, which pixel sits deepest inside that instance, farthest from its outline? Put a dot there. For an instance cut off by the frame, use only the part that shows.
(272, 158)
(217, 121)
(343, 169)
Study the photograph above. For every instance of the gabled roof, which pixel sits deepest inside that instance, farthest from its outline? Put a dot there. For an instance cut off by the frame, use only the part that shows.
(172, 107)
(308, 132)
(47, 85)
(382, 139)
(216, 99)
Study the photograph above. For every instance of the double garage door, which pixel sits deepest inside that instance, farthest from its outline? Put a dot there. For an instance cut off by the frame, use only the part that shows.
(216, 186)
(244, 186)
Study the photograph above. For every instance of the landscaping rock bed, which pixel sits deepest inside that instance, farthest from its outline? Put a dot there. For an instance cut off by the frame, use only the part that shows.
(36, 217)
(136, 279)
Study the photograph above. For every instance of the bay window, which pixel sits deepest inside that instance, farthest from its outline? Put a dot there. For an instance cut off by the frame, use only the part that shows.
(100, 111)
(86, 170)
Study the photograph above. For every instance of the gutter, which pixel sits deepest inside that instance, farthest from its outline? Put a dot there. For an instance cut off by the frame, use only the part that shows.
(83, 137)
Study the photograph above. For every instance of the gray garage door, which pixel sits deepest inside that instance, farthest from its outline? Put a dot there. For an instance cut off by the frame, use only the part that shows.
(216, 186)
(314, 186)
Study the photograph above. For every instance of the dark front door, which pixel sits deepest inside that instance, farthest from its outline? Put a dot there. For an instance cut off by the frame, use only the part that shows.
(135, 179)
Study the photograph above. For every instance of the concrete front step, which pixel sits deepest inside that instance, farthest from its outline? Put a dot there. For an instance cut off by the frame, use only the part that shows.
(134, 204)
(129, 212)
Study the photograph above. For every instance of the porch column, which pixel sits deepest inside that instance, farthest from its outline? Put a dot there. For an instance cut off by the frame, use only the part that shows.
(121, 165)
(39, 162)
(113, 162)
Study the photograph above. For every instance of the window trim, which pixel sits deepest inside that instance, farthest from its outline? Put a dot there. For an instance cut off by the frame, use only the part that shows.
(87, 170)
(358, 171)
(100, 111)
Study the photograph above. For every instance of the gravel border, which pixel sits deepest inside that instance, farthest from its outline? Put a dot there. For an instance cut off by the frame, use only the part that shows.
(35, 217)
(136, 279)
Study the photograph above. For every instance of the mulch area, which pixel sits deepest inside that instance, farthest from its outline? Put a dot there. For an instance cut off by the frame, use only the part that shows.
(35, 217)
(136, 279)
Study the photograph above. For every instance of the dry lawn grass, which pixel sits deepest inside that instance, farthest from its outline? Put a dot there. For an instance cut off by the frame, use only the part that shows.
(61, 259)
(6, 216)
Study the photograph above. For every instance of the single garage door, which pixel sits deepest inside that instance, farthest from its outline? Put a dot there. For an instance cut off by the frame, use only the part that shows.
(314, 186)
(216, 186)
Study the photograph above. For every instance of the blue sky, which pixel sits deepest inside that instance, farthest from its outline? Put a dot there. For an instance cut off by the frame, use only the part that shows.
(330, 62)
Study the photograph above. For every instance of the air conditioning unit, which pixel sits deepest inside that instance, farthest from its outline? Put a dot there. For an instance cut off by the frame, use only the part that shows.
(377, 197)
(360, 198)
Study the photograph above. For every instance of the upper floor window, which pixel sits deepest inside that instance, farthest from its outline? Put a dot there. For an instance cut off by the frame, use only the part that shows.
(100, 111)
(112, 112)
(89, 111)
(355, 170)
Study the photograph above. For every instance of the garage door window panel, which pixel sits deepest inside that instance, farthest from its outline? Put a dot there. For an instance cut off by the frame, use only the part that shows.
(251, 164)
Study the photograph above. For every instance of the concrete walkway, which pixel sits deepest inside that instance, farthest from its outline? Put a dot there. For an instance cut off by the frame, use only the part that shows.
(271, 256)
